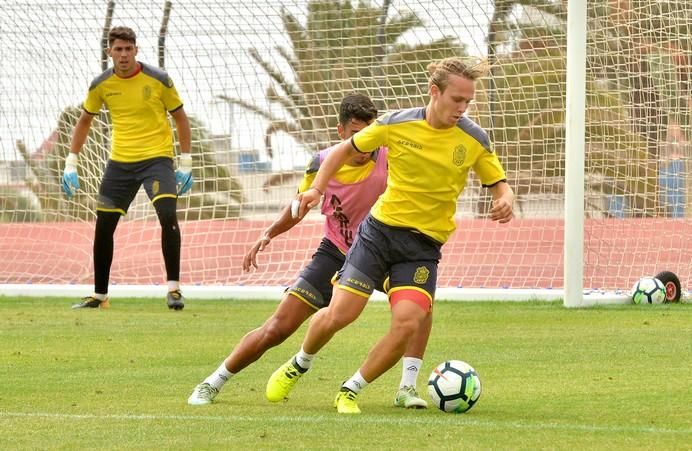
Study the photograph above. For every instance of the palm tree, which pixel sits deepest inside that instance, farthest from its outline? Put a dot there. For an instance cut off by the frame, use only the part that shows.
(499, 32)
(217, 194)
(342, 48)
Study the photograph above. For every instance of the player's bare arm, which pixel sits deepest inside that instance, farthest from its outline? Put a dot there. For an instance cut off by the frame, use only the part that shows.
(81, 131)
(502, 209)
(182, 125)
(283, 223)
(183, 175)
(342, 153)
(70, 178)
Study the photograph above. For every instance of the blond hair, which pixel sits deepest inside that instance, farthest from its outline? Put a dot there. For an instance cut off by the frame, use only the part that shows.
(440, 71)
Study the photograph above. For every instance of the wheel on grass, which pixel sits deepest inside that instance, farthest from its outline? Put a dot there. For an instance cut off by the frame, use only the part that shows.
(672, 284)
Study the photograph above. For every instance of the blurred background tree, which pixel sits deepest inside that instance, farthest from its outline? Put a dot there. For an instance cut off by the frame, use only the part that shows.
(630, 99)
(216, 192)
(343, 48)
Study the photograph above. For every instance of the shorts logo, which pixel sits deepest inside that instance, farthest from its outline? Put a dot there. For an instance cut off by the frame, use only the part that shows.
(459, 155)
(155, 187)
(421, 275)
(357, 283)
(146, 92)
(304, 292)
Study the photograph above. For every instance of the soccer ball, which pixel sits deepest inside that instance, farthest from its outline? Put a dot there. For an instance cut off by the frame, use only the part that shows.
(454, 386)
(648, 290)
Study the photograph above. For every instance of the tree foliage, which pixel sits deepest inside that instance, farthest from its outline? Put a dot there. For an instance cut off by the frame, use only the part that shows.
(634, 87)
(343, 48)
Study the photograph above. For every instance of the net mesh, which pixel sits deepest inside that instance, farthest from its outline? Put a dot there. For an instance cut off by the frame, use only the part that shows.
(262, 82)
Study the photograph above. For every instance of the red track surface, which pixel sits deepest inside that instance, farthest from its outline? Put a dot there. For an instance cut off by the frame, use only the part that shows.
(526, 253)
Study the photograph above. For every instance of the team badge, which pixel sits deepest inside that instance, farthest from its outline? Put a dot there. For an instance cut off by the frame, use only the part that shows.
(146, 92)
(155, 187)
(421, 275)
(459, 155)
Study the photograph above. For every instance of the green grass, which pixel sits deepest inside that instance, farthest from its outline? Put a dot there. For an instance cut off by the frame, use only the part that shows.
(615, 377)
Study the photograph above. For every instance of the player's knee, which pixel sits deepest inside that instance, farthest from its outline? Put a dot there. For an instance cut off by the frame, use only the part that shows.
(106, 223)
(274, 333)
(405, 327)
(339, 320)
(166, 212)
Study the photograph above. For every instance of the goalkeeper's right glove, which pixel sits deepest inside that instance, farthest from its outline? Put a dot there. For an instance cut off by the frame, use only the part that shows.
(70, 182)
(183, 175)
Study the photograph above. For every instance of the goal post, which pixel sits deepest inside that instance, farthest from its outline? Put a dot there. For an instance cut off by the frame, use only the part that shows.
(575, 104)
(588, 104)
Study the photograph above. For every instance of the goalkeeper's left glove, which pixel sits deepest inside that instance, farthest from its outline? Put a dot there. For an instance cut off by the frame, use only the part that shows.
(183, 175)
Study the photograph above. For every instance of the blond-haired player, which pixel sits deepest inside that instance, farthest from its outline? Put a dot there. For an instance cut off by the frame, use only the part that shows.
(431, 150)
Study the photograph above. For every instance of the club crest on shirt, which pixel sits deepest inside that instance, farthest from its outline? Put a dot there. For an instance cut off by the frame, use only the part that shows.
(146, 92)
(421, 275)
(155, 187)
(459, 155)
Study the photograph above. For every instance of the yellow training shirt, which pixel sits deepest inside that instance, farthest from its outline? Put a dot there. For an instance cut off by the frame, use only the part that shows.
(139, 107)
(428, 169)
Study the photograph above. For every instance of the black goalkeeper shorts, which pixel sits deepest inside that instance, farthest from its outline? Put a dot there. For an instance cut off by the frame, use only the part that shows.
(121, 181)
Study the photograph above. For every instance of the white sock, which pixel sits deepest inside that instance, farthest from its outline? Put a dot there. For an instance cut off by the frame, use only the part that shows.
(219, 377)
(99, 296)
(304, 360)
(356, 383)
(173, 285)
(410, 370)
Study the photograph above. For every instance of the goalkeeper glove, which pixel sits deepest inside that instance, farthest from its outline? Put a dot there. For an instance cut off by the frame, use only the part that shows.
(183, 175)
(70, 181)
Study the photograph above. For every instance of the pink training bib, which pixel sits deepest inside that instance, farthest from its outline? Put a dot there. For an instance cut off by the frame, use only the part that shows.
(346, 205)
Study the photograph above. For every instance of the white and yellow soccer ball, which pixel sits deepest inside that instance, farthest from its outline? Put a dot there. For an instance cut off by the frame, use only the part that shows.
(454, 386)
(648, 290)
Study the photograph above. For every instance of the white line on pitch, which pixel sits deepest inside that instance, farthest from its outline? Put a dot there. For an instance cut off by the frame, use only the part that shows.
(364, 419)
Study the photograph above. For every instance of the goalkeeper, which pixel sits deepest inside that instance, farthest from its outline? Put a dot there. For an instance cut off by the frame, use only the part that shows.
(139, 98)
(347, 200)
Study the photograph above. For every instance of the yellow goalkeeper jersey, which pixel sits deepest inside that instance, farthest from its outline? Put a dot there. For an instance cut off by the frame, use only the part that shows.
(139, 107)
(428, 169)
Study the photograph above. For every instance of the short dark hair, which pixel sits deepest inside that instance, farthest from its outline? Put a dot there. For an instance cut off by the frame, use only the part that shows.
(356, 106)
(122, 33)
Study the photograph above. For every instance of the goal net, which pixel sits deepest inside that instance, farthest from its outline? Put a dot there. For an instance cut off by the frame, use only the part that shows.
(262, 82)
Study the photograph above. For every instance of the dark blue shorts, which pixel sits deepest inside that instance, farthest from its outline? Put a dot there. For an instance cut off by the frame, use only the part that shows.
(314, 284)
(121, 181)
(400, 259)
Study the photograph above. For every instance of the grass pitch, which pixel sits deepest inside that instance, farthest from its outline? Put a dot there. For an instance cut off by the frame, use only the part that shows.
(612, 377)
